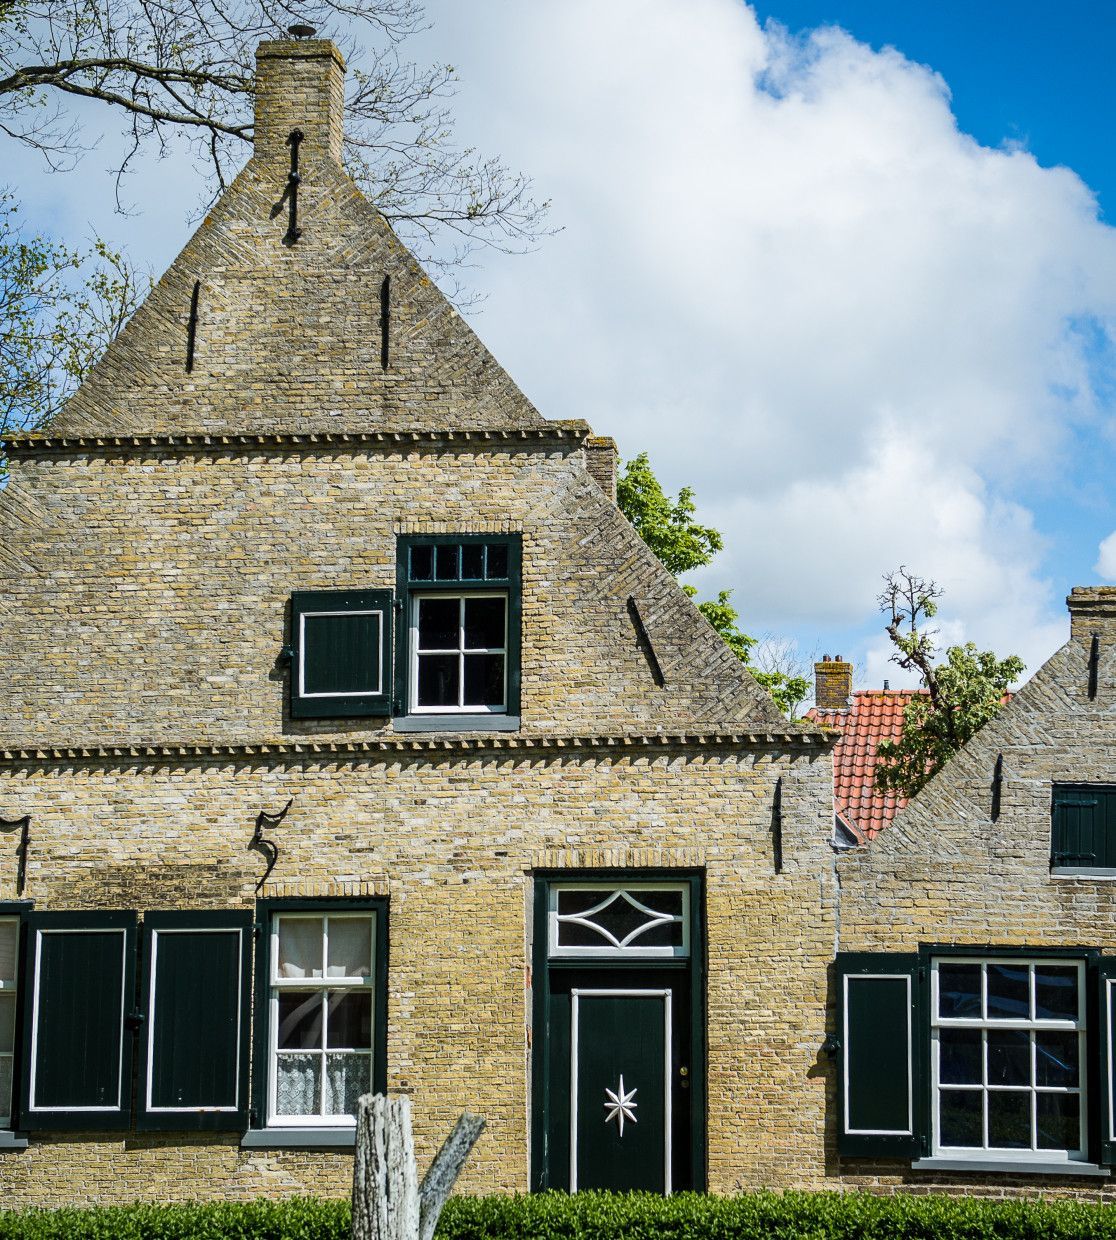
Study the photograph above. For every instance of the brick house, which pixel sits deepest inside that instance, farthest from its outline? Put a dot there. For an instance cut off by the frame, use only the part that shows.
(355, 741)
(975, 982)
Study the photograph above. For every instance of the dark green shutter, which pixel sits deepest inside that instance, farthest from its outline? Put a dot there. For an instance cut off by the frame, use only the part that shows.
(78, 1034)
(878, 1061)
(1106, 1057)
(342, 663)
(1083, 831)
(194, 1059)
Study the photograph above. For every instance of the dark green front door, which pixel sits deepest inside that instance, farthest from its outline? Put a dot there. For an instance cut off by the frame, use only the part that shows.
(620, 1078)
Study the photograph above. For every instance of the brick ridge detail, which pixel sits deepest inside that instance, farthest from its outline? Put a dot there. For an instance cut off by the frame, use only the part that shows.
(570, 430)
(466, 744)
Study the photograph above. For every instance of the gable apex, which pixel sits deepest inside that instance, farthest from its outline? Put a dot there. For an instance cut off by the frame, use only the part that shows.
(294, 308)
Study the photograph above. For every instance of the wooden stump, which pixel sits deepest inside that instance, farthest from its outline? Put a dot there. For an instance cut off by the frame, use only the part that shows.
(388, 1201)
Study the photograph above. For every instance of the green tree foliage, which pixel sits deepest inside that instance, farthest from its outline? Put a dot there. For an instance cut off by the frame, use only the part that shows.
(668, 527)
(59, 308)
(963, 692)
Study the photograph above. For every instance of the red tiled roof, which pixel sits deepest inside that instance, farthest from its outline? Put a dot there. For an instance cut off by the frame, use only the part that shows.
(874, 715)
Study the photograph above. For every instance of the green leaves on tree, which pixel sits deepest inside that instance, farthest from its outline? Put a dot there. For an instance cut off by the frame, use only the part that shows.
(59, 309)
(669, 528)
(962, 693)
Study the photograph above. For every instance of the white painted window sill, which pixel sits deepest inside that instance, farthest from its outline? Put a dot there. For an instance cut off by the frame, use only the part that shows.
(299, 1138)
(12, 1140)
(981, 1166)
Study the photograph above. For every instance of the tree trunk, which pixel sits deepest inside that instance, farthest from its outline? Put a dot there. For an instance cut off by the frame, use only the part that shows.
(388, 1203)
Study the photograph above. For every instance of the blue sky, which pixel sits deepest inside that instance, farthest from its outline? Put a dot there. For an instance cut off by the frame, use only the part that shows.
(852, 282)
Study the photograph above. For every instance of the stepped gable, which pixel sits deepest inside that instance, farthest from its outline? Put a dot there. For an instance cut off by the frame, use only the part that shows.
(339, 330)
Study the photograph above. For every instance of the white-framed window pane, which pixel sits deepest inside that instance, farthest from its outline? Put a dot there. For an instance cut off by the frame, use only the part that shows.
(961, 1117)
(300, 946)
(439, 679)
(439, 622)
(484, 680)
(298, 1084)
(350, 947)
(1056, 992)
(1058, 1121)
(349, 1022)
(1009, 993)
(347, 1077)
(300, 1020)
(485, 622)
(9, 939)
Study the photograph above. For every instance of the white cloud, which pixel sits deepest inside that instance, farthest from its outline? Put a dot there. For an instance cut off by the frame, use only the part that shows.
(1106, 558)
(788, 275)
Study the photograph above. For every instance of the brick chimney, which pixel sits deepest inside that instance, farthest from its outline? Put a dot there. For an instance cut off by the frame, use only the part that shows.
(1092, 610)
(300, 84)
(600, 461)
(832, 683)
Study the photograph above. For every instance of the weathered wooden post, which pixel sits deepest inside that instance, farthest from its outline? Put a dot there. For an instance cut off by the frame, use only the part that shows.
(388, 1201)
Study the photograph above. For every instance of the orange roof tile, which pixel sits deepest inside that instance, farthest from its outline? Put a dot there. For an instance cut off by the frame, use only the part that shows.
(874, 715)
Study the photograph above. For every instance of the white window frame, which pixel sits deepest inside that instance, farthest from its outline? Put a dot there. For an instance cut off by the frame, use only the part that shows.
(115, 1107)
(153, 1015)
(461, 650)
(277, 984)
(620, 951)
(302, 648)
(10, 986)
(999, 1153)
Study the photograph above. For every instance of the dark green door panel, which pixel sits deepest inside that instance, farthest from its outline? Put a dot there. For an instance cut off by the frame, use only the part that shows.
(621, 1100)
(610, 1038)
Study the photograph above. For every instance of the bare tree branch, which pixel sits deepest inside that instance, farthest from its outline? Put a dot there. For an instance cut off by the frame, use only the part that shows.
(168, 67)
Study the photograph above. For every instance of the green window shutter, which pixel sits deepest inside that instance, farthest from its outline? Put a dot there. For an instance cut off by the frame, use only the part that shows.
(1080, 834)
(78, 1031)
(194, 1057)
(880, 1039)
(342, 653)
(1106, 1056)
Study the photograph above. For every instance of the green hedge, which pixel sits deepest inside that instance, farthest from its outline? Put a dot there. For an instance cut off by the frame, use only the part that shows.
(598, 1216)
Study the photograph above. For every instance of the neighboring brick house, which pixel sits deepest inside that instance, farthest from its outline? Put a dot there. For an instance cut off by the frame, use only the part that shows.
(361, 744)
(975, 985)
(864, 719)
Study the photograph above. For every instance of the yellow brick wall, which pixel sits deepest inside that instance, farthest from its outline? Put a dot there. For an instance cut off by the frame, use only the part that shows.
(453, 842)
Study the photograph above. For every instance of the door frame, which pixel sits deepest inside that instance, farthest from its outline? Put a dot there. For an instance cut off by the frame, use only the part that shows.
(544, 1173)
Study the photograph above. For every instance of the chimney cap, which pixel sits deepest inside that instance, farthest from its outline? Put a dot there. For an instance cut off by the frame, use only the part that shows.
(300, 30)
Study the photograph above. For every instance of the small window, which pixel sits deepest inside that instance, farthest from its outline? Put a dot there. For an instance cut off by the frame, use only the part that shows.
(462, 608)
(9, 944)
(341, 643)
(1008, 1058)
(325, 1015)
(1083, 828)
(603, 920)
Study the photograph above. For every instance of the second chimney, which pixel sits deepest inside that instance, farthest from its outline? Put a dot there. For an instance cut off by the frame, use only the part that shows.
(832, 683)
